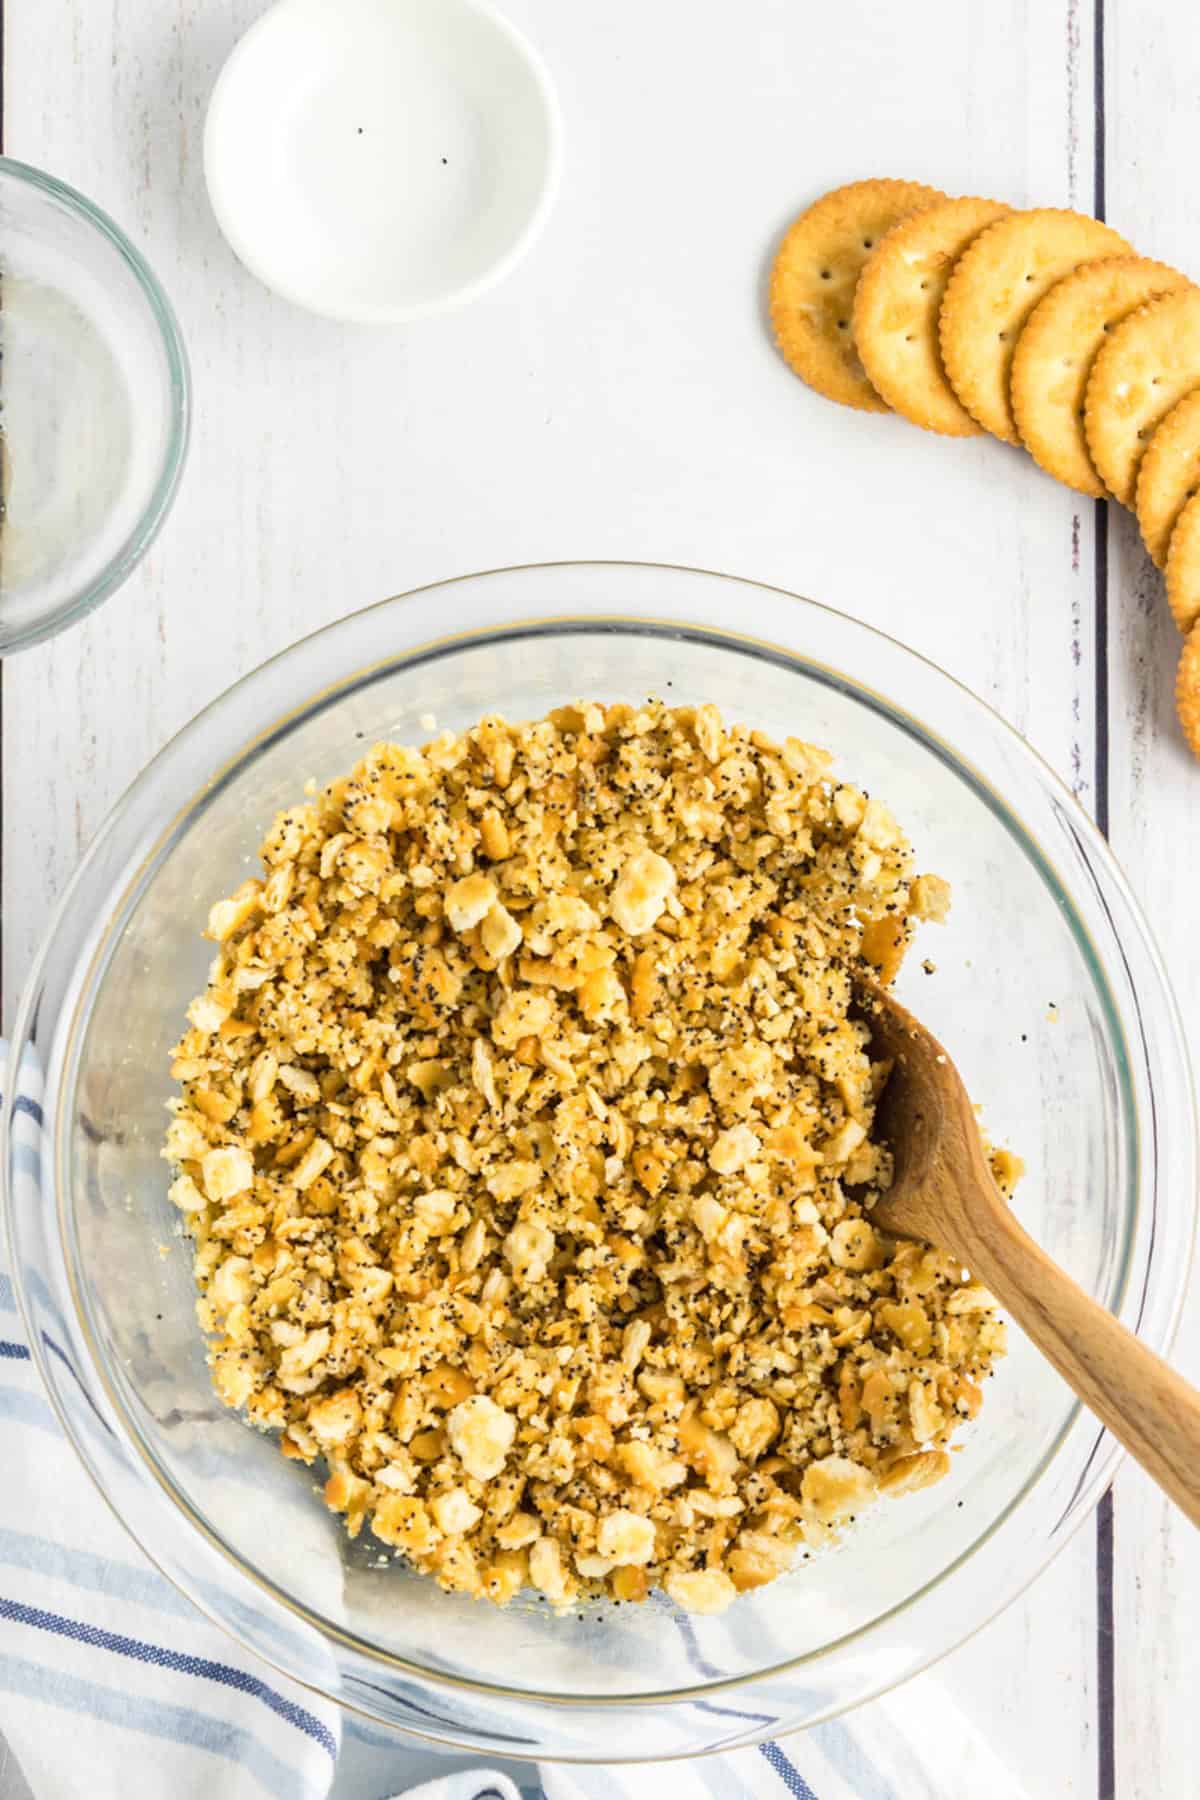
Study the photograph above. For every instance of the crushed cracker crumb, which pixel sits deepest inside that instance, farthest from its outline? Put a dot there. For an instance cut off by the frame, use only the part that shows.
(525, 1142)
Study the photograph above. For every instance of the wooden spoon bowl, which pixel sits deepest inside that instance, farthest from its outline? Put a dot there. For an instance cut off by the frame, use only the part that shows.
(943, 1192)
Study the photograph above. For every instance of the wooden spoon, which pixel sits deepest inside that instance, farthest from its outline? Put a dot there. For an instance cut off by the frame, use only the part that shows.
(943, 1191)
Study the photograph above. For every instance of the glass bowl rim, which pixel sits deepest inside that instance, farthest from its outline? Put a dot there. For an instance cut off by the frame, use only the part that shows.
(125, 559)
(1104, 1455)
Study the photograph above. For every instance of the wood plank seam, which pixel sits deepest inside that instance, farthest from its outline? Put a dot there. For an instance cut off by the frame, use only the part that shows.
(1105, 1517)
(2, 837)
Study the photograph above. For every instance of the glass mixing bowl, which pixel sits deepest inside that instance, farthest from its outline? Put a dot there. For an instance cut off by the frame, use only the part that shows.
(94, 406)
(1048, 990)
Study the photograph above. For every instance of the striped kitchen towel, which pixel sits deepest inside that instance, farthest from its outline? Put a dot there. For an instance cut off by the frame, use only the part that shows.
(113, 1685)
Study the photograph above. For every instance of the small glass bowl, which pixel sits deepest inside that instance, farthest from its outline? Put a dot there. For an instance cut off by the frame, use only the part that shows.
(94, 406)
(1047, 989)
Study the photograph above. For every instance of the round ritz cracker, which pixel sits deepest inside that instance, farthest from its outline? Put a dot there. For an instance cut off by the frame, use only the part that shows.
(1055, 352)
(993, 288)
(812, 283)
(1187, 689)
(1183, 567)
(896, 306)
(1148, 363)
(1168, 475)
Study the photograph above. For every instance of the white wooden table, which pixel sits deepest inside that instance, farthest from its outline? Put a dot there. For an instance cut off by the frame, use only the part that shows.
(618, 396)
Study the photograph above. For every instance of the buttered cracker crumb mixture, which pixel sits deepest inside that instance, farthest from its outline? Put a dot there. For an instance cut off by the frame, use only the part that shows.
(525, 1139)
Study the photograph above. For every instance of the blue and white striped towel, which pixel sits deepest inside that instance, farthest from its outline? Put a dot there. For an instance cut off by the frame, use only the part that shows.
(112, 1684)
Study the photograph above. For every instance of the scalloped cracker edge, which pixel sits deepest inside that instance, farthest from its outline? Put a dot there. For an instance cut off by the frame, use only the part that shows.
(995, 286)
(1055, 352)
(1151, 360)
(896, 308)
(816, 270)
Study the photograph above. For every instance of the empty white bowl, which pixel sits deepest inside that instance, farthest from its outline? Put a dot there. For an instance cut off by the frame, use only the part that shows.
(376, 160)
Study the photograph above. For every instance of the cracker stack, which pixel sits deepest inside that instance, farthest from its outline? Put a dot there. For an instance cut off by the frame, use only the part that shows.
(1042, 326)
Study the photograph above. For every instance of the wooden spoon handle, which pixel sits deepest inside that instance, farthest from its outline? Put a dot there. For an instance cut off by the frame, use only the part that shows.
(1151, 1409)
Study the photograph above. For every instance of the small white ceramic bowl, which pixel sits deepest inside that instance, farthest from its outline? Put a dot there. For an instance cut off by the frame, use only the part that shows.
(376, 160)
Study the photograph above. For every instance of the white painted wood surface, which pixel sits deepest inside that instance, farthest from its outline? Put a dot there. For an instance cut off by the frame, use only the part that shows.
(1152, 122)
(618, 396)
